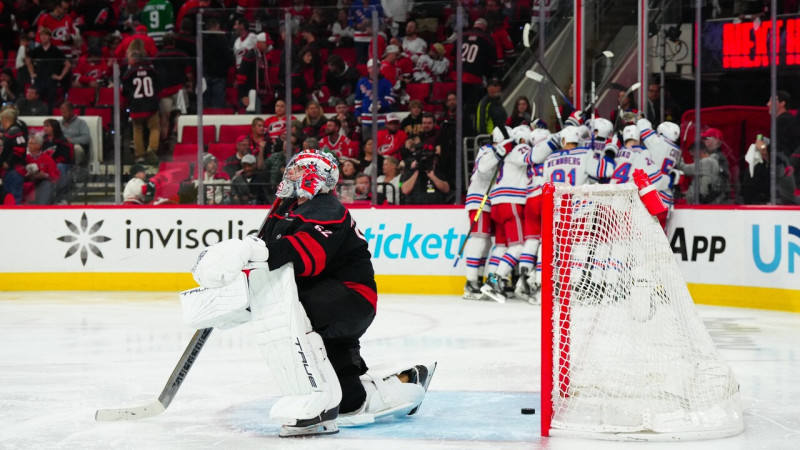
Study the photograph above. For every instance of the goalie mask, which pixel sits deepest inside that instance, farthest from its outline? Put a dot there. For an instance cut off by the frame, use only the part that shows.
(308, 173)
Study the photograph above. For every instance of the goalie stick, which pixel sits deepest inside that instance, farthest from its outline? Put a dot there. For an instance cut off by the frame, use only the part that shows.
(177, 376)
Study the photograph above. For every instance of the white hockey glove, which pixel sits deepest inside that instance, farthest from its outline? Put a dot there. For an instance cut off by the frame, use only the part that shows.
(644, 124)
(675, 177)
(220, 264)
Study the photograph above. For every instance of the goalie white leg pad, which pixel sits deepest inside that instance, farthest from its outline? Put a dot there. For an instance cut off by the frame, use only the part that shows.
(221, 307)
(295, 355)
(388, 397)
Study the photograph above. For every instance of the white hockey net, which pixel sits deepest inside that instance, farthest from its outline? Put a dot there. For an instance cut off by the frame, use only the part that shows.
(631, 358)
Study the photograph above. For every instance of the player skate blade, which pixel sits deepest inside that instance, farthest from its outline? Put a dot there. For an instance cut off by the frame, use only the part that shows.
(121, 414)
(489, 292)
(327, 427)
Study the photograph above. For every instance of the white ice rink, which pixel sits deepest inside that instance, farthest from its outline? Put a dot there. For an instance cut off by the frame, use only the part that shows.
(64, 355)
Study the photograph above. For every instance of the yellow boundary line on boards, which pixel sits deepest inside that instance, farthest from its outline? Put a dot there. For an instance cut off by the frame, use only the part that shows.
(717, 295)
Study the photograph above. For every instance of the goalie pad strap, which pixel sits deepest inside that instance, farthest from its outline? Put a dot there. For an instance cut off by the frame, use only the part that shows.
(223, 307)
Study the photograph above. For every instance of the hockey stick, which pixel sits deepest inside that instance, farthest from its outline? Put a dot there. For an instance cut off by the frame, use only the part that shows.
(477, 214)
(177, 376)
(174, 383)
(558, 111)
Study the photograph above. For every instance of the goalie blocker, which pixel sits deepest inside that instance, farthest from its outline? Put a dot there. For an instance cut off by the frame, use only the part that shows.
(309, 305)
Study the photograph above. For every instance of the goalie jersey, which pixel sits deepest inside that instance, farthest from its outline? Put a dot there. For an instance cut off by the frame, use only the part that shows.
(322, 240)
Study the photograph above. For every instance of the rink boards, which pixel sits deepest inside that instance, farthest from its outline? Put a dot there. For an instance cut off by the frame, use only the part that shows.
(747, 257)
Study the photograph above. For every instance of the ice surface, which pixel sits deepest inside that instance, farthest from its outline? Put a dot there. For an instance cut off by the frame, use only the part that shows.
(65, 354)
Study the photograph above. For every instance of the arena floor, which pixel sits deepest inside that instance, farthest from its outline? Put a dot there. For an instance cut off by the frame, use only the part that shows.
(65, 354)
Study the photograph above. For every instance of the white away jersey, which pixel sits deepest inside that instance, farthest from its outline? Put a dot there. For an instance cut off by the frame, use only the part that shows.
(511, 184)
(665, 155)
(485, 163)
(576, 167)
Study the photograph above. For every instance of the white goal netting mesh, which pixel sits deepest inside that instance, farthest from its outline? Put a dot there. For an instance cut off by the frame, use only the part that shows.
(630, 353)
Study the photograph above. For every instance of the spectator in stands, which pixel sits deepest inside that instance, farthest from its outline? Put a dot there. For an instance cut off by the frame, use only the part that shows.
(233, 165)
(91, 70)
(706, 179)
(41, 171)
(392, 139)
(140, 86)
(245, 39)
(307, 77)
(175, 74)
(489, 107)
(348, 120)
(412, 123)
(342, 32)
(10, 89)
(308, 40)
(334, 140)
(217, 61)
(63, 29)
(626, 111)
(422, 183)
(360, 17)
(31, 105)
(246, 187)
(215, 182)
(159, 19)
(190, 8)
(150, 48)
(340, 80)
(186, 38)
(276, 124)
(348, 168)
(364, 92)
(397, 15)
(76, 132)
(47, 66)
(756, 179)
(62, 152)
(259, 139)
(432, 68)
(129, 15)
(719, 150)
(27, 42)
(12, 158)
(314, 122)
(363, 187)
(413, 45)
(788, 138)
(253, 75)
(503, 44)
(404, 64)
(364, 156)
(522, 113)
(390, 176)
(136, 188)
(482, 55)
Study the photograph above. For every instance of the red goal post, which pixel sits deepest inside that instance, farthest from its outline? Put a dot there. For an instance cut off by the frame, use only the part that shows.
(624, 354)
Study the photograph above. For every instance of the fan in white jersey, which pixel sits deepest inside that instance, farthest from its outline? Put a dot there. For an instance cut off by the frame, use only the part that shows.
(631, 157)
(508, 196)
(665, 151)
(480, 239)
(575, 165)
(528, 282)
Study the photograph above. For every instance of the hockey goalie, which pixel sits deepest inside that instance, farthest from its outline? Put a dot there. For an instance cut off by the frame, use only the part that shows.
(306, 286)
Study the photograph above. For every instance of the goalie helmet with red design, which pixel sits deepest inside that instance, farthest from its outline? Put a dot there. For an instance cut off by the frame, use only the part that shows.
(309, 173)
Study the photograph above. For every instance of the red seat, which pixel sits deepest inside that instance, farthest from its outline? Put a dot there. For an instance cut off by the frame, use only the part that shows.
(175, 170)
(185, 153)
(348, 54)
(105, 97)
(229, 133)
(222, 151)
(418, 91)
(439, 91)
(190, 134)
(80, 96)
(105, 114)
(218, 111)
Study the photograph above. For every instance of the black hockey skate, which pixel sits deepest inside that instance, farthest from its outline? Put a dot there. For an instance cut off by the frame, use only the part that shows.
(495, 288)
(472, 291)
(325, 423)
(421, 375)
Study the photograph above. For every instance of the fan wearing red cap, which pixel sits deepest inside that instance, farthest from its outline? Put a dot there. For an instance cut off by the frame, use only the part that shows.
(719, 150)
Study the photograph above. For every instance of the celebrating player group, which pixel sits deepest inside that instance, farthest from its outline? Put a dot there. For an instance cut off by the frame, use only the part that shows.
(504, 194)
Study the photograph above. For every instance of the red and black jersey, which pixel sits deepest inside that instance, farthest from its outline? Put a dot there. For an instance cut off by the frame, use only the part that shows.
(15, 146)
(140, 86)
(478, 54)
(85, 72)
(62, 30)
(173, 66)
(322, 240)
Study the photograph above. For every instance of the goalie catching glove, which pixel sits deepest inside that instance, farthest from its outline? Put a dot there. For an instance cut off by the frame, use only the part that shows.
(220, 264)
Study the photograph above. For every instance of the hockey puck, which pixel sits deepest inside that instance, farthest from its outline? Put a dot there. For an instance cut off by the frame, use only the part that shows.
(528, 411)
